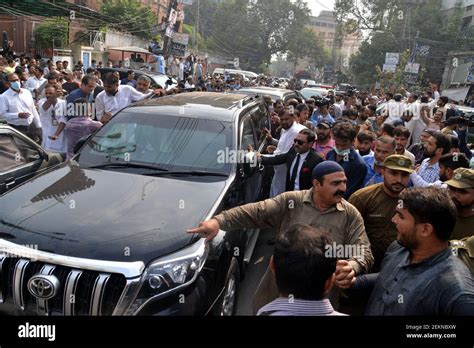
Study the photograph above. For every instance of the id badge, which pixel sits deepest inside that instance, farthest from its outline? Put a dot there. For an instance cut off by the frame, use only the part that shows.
(55, 122)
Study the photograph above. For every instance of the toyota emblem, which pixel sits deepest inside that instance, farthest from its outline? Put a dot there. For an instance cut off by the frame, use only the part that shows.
(43, 287)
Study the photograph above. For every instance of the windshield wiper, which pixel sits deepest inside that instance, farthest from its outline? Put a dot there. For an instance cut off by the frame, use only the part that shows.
(188, 173)
(128, 165)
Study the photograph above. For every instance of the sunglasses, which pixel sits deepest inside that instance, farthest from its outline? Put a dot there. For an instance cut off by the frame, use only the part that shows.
(300, 142)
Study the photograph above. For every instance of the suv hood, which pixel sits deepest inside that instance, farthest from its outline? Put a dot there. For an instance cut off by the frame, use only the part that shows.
(106, 215)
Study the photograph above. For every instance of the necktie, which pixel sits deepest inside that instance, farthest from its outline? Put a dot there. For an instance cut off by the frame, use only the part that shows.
(294, 173)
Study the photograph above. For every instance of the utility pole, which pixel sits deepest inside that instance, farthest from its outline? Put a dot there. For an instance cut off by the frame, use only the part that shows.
(167, 40)
(196, 30)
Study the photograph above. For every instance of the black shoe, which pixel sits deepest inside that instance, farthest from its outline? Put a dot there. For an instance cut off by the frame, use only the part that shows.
(271, 241)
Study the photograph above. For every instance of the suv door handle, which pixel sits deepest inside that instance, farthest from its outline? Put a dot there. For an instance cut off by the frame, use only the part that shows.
(9, 182)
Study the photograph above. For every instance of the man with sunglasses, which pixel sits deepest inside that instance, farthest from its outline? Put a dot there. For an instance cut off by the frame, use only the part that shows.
(300, 160)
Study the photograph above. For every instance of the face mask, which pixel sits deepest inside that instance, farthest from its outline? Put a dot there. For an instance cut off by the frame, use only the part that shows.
(343, 152)
(15, 85)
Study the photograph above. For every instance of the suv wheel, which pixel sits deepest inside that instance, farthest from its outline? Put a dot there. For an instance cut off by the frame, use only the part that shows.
(228, 304)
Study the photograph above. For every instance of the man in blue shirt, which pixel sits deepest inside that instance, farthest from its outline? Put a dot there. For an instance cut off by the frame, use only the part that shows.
(160, 63)
(86, 91)
(130, 80)
(384, 147)
(420, 275)
(321, 113)
(345, 154)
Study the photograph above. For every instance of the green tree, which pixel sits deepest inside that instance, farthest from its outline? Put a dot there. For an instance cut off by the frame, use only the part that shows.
(131, 17)
(52, 33)
(207, 12)
(399, 25)
(254, 31)
(190, 30)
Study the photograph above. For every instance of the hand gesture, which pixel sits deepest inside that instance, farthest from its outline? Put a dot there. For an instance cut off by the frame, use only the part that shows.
(271, 149)
(24, 114)
(106, 117)
(267, 134)
(208, 229)
(345, 275)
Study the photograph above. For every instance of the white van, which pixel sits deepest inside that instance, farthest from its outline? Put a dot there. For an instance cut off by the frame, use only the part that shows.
(248, 74)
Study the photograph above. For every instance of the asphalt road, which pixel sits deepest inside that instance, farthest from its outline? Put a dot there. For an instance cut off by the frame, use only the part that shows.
(255, 270)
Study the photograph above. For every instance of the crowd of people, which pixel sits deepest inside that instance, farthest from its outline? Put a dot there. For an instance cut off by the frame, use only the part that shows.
(390, 175)
(355, 171)
(57, 106)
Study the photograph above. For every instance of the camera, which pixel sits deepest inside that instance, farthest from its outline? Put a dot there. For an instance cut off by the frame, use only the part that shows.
(467, 119)
(322, 102)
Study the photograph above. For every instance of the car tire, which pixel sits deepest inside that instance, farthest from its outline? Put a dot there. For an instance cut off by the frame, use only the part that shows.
(227, 305)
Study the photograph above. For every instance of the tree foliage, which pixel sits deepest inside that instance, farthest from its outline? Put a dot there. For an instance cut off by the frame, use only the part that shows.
(131, 17)
(52, 33)
(256, 31)
(396, 26)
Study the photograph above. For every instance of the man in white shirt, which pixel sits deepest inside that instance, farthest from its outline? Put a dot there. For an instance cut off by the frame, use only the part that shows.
(395, 109)
(115, 97)
(181, 70)
(52, 111)
(290, 129)
(189, 83)
(434, 89)
(19, 107)
(35, 81)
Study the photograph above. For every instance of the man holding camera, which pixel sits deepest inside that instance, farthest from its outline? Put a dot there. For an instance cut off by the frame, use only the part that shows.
(321, 114)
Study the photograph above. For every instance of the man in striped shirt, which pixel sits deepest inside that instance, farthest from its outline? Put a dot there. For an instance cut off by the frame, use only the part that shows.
(437, 146)
(303, 273)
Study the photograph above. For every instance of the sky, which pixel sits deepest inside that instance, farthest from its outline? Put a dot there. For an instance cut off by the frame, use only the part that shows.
(317, 6)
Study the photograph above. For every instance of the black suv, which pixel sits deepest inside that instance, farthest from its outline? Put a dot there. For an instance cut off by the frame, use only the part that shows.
(105, 233)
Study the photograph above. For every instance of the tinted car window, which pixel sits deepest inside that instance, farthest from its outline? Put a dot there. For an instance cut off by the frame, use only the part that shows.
(172, 143)
(10, 155)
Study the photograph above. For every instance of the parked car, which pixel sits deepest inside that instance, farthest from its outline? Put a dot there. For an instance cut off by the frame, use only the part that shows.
(274, 93)
(307, 83)
(21, 158)
(248, 74)
(310, 92)
(110, 225)
(157, 79)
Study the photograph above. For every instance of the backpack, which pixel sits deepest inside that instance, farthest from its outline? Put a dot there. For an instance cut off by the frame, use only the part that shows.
(464, 249)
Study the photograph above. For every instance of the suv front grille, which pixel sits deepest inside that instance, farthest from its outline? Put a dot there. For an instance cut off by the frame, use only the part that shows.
(81, 292)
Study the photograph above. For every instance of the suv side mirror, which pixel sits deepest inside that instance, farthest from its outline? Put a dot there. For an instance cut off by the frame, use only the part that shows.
(79, 144)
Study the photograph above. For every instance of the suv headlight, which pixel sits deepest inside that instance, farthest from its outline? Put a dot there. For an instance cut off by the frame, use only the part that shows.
(169, 274)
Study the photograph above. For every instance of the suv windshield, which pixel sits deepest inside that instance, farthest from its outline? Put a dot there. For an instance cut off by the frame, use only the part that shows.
(170, 143)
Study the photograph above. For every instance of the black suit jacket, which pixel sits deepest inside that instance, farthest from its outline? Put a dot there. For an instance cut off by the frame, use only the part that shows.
(306, 172)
